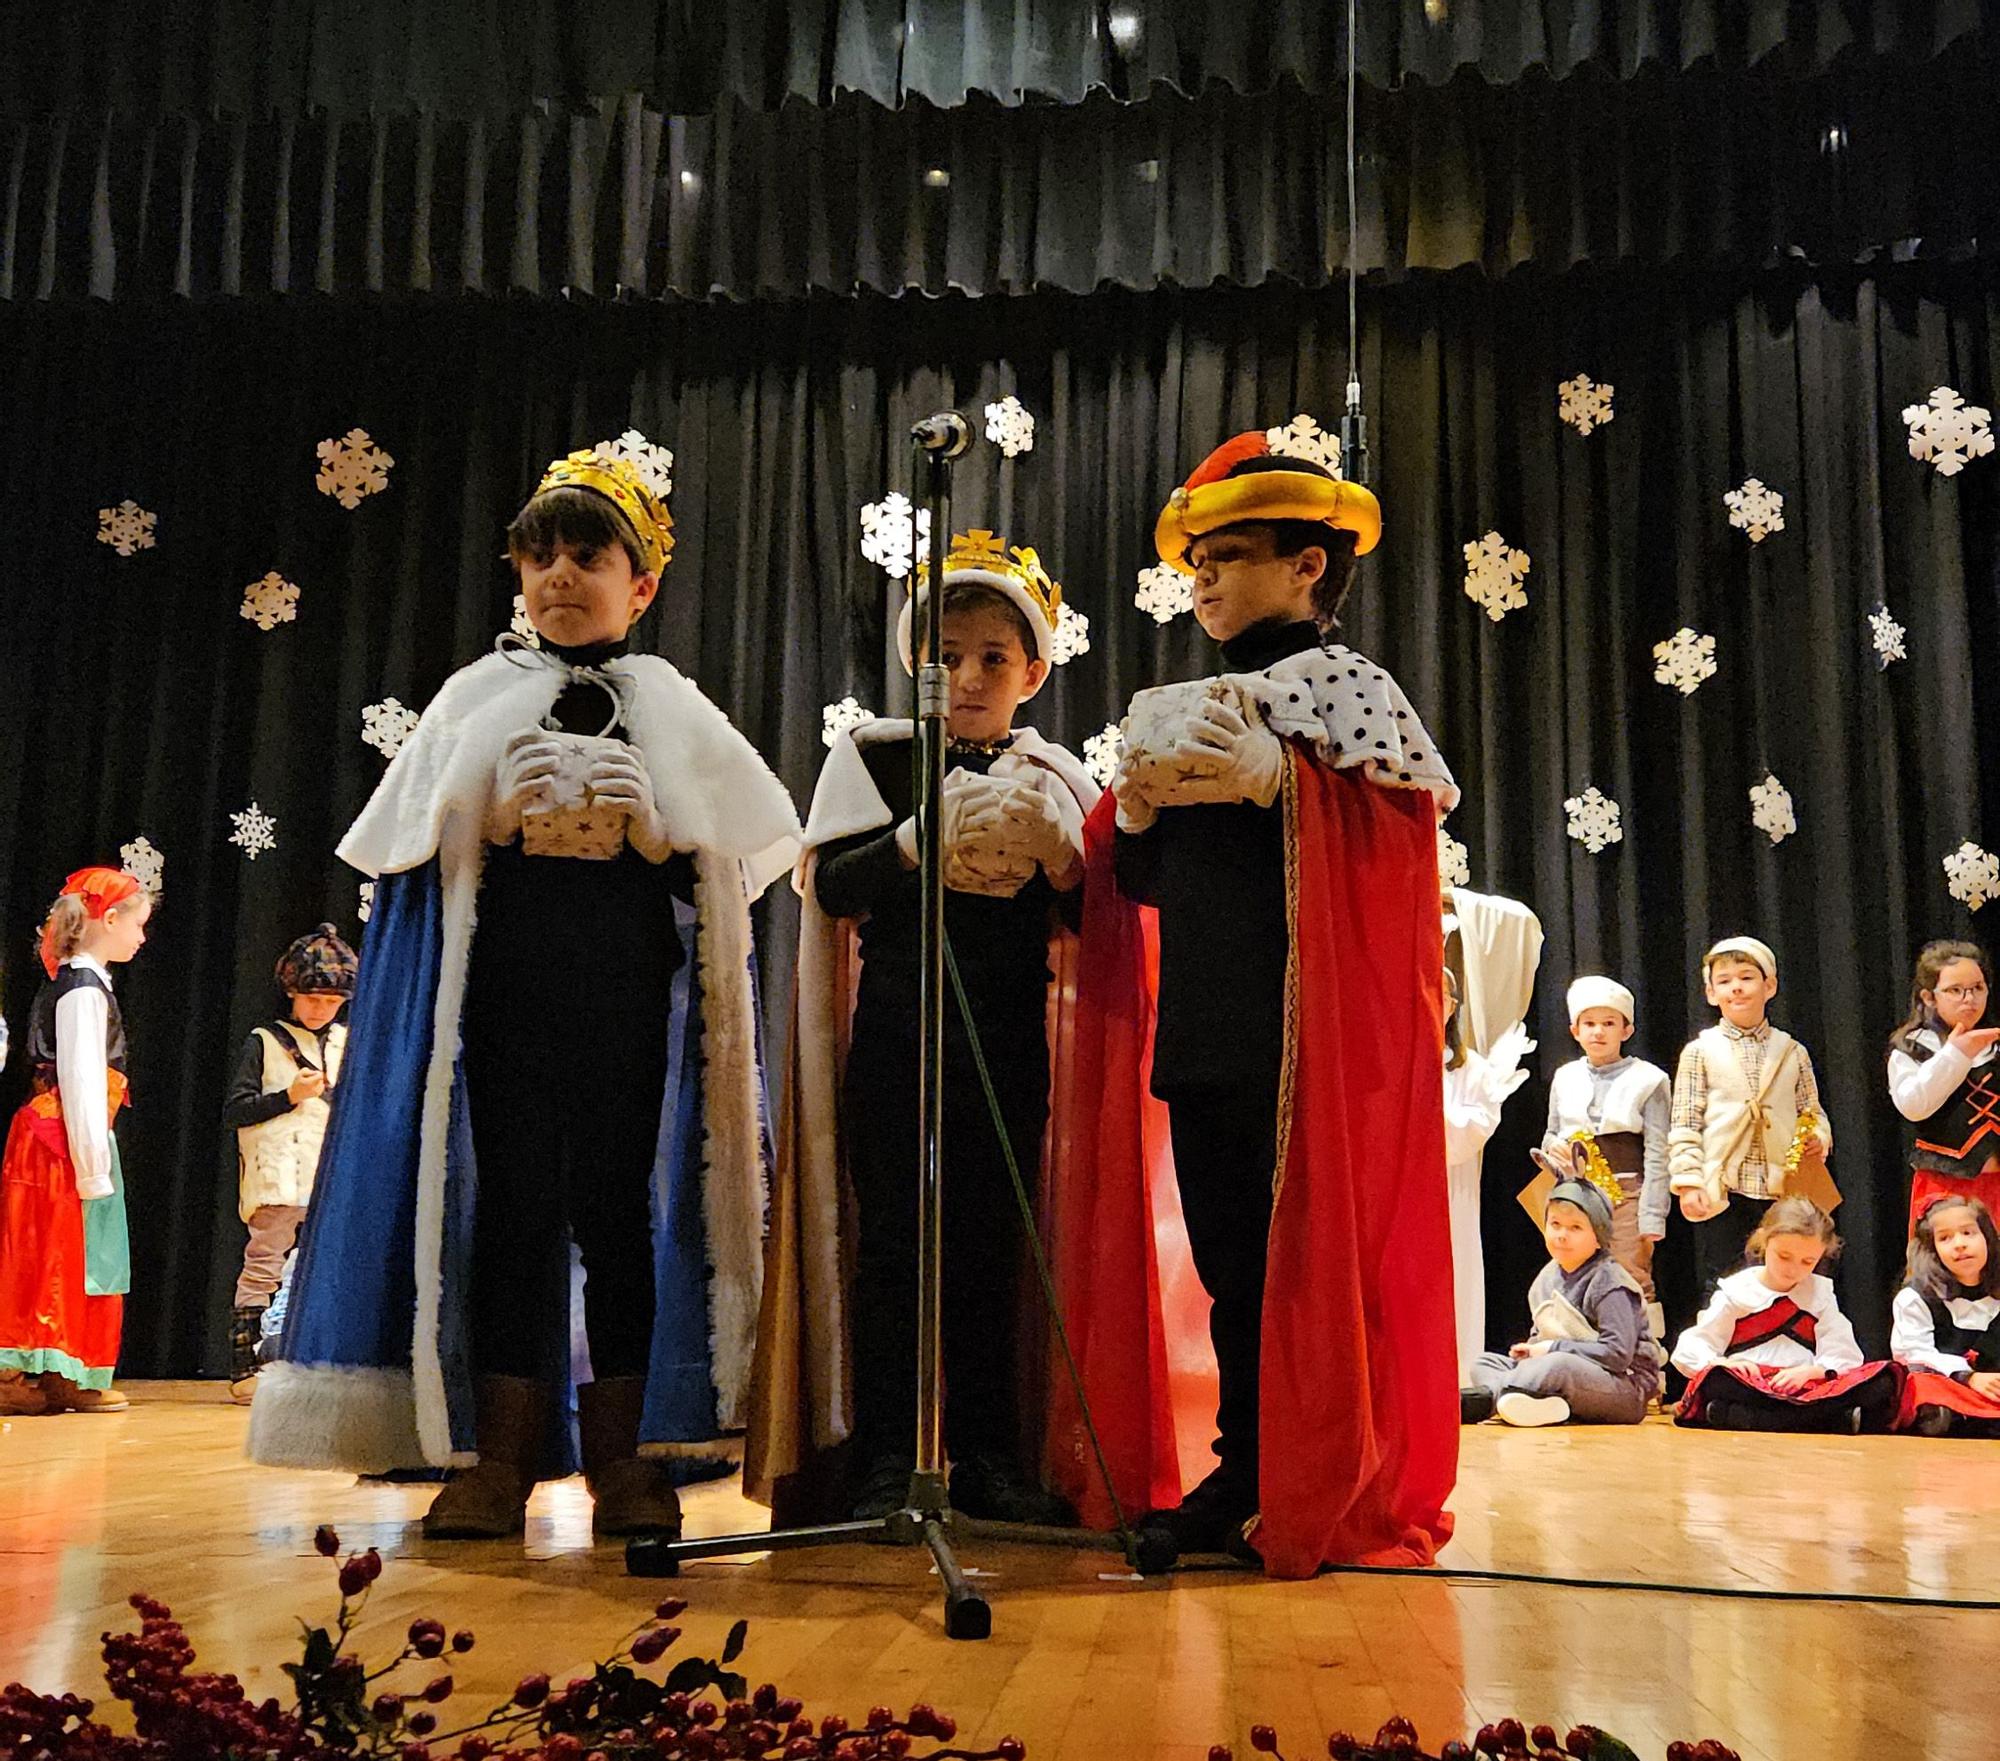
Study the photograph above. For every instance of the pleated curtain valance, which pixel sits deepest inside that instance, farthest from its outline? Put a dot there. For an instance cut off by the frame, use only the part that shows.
(147, 59)
(1696, 170)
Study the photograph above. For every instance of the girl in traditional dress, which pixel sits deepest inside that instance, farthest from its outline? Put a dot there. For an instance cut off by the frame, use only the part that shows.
(1946, 1331)
(1944, 1081)
(64, 1259)
(1772, 1351)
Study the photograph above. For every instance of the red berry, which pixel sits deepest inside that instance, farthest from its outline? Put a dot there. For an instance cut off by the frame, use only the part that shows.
(325, 1542)
(671, 1609)
(800, 1749)
(699, 1742)
(880, 1718)
(833, 1725)
(371, 1563)
(531, 1690)
(651, 1645)
(386, 1708)
(353, 1578)
(702, 1712)
(1263, 1739)
(1011, 1749)
(416, 1752)
(1512, 1734)
(1544, 1736)
(1455, 1751)
(1578, 1741)
(1221, 1752)
(422, 1723)
(562, 1747)
(427, 1638)
(474, 1749)
(896, 1743)
(1340, 1746)
(1487, 1742)
(1678, 1751)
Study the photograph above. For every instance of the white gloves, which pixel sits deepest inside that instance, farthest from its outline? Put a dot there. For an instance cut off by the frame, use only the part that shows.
(1503, 1062)
(619, 779)
(996, 831)
(536, 772)
(1218, 754)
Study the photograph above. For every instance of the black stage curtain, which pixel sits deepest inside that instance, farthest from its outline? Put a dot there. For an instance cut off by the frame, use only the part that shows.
(463, 58)
(1876, 156)
(134, 699)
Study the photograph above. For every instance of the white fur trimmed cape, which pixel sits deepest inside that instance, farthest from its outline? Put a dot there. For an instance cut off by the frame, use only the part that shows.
(801, 1401)
(375, 1372)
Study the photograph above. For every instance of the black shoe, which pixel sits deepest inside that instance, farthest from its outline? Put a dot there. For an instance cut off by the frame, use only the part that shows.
(885, 1489)
(994, 1489)
(1725, 1415)
(1853, 1425)
(1932, 1421)
(1475, 1406)
(1208, 1518)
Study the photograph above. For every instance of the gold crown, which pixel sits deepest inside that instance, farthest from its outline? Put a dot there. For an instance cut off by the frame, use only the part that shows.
(988, 554)
(619, 482)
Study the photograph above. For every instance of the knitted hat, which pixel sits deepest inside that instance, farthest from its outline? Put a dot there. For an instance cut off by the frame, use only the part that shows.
(318, 965)
(1290, 489)
(1590, 1201)
(1593, 992)
(1742, 948)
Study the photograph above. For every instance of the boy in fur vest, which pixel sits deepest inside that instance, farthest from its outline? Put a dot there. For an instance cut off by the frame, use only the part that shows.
(1744, 1097)
(278, 1107)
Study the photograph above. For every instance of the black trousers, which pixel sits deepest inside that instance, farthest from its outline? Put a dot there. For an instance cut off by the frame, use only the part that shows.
(1721, 1243)
(983, 1246)
(565, 1093)
(1225, 1156)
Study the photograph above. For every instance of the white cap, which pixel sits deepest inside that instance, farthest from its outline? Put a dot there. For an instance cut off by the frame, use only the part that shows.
(1745, 947)
(1593, 992)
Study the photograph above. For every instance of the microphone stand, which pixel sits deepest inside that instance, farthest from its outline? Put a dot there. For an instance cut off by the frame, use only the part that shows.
(927, 1518)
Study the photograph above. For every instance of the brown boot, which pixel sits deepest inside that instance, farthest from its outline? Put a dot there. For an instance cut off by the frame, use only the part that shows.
(490, 1501)
(630, 1495)
(21, 1397)
(63, 1395)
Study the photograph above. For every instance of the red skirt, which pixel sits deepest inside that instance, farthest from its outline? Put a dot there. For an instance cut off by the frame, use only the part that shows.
(1927, 1388)
(1927, 1184)
(49, 1323)
(1750, 1385)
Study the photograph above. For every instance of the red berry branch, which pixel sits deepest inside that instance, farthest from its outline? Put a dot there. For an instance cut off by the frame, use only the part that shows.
(701, 1711)
(1509, 1740)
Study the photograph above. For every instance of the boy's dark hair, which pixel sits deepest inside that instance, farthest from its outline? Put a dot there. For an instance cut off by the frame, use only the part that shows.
(1454, 1034)
(978, 596)
(1932, 959)
(1927, 1275)
(1290, 537)
(578, 518)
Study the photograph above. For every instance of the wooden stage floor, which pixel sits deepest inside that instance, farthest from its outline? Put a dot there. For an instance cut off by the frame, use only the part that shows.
(1080, 1664)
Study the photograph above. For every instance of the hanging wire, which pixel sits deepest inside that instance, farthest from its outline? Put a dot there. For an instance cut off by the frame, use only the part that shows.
(1353, 425)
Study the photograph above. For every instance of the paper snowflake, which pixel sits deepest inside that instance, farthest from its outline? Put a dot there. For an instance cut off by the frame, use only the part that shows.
(1584, 405)
(836, 718)
(1164, 593)
(1303, 438)
(1771, 809)
(1493, 574)
(1887, 637)
(126, 528)
(364, 902)
(386, 725)
(522, 625)
(894, 535)
(1948, 431)
(352, 468)
(146, 864)
(1072, 636)
(1100, 753)
(655, 464)
(1010, 426)
(1755, 509)
(1593, 820)
(270, 601)
(1454, 861)
(1684, 660)
(256, 831)
(1972, 875)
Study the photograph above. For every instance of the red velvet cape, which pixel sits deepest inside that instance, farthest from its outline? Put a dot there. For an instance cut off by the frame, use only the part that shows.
(1358, 1414)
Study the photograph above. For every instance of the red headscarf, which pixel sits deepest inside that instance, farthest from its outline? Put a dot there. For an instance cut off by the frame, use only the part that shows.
(100, 889)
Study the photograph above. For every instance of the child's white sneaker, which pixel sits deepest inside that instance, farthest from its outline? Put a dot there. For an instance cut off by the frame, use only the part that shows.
(1516, 1408)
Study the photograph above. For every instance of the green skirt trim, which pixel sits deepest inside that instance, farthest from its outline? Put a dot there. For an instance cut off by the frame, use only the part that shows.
(44, 1362)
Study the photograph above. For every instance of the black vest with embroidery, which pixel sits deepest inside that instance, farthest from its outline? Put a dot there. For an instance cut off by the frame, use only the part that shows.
(42, 1022)
(1963, 1133)
(1980, 1347)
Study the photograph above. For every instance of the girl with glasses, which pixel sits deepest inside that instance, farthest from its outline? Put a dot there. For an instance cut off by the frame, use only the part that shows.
(1945, 1082)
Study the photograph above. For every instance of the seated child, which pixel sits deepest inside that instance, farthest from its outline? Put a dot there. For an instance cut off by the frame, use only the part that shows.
(1772, 1351)
(278, 1106)
(1620, 1107)
(1946, 1331)
(1587, 1359)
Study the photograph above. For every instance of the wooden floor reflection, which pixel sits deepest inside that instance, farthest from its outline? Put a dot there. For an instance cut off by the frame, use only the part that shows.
(1083, 1664)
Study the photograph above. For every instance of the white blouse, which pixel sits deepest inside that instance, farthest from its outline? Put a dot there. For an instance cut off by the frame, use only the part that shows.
(1745, 1293)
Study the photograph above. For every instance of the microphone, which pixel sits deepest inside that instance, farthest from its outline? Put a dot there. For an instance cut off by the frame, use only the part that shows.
(1354, 437)
(945, 434)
